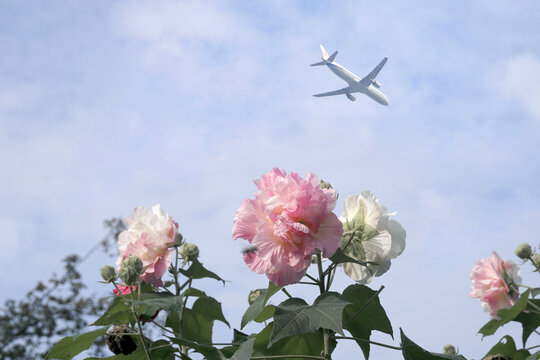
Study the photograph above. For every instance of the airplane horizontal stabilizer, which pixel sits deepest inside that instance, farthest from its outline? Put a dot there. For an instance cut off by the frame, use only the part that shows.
(319, 64)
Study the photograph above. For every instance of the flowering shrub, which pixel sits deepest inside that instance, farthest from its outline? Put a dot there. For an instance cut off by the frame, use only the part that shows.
(290, 225)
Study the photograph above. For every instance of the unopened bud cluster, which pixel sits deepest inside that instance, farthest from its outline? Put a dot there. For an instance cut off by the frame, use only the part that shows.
(189, 251)
(130, 270)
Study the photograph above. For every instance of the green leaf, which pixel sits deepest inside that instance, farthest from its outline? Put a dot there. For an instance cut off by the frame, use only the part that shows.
(198, 271)
(372, 317)
(505, 315)
(258, 305)
(194, 292)
(304, 344)
(199, 320)
(339, 257)
(294, 316)
(244, 351)
(209, 352)
(239, 337)
(529, 320)
(535, 292)
(534, 356)
(118, 313)
(152, 302)
(266, 313)
(70, 346)
(411, 351)
(507, 348)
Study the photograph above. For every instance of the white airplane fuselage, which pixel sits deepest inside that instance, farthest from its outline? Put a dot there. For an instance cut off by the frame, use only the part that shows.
(354, 81)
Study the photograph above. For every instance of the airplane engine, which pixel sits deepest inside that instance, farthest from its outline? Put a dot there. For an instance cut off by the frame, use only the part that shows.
(350, 97)
(376, 84)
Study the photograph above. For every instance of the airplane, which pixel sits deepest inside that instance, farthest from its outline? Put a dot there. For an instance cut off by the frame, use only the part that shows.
(368, 85)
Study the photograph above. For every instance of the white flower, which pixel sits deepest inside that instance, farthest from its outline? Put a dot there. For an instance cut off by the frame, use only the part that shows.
(369, 235)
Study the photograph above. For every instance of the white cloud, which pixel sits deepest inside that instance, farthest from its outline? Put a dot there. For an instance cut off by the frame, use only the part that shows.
(518, 81)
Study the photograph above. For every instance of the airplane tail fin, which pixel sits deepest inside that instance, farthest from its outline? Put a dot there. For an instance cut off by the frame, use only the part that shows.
(325, 57)
(324, 53)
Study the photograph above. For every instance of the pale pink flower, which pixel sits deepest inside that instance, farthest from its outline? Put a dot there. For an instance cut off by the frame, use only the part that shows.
(492, 280)
(289, 218)
(148, 237)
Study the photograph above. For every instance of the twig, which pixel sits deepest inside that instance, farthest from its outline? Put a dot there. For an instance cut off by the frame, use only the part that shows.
(369, 341)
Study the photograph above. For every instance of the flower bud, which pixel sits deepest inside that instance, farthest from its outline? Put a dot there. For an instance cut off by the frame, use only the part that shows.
(253, 295)
(189, 251)
(449, 349)
(325, 185)
(523, 251)
(130, 270)
(536, 260)
(179, 240)
(119, 343)
(108, 273)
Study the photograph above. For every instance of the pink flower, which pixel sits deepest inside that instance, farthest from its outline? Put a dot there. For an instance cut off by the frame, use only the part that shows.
(492, 280)
(148, 237)
(289, 218)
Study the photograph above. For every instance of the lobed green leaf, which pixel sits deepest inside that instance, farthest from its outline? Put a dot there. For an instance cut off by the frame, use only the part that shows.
(70, 346)
(372, 317)
(507, 348)
(118, 313)
(411, 351)
(198, 271)
(304, 344)
(294, 316)
(258, 305)
(505, 315)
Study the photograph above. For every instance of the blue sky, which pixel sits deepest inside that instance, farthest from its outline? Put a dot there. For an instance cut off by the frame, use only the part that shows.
(105, 106)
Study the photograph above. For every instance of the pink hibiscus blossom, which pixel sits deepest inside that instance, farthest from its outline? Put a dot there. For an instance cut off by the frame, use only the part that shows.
(492, 280)
(148, 237)
(289, 218)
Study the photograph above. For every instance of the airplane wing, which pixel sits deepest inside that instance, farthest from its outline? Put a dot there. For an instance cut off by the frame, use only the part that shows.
(373, 74)
(343, 91)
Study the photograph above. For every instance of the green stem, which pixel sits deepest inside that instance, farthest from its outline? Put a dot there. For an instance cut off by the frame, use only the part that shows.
(286, 357)
(139, 326)
(286, 293)
(308, 283)
(165, 329)
(180, 333)
(326, 335)
(312, 278)
(369, 341)
(364, 306)
(534, 264)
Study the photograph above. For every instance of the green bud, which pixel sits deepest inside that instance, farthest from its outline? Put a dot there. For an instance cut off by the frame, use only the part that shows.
(449, 349)
(536, 260)
(178, 242)
(325, 185)
(108, 273)
(130, 270)
(523, 251)
(189, 251)
(253, 295)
